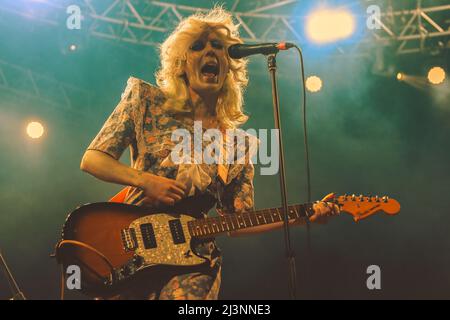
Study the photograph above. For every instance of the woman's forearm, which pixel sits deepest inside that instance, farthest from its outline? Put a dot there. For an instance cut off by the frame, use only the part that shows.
(106, 168)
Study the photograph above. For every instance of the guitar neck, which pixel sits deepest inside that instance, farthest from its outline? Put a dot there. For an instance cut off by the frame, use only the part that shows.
(213, 226)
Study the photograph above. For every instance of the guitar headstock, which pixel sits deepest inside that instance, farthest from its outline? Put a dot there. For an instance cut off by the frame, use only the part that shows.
(361, 207)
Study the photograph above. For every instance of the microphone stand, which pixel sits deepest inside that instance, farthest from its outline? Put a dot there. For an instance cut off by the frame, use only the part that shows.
(17, 294)
(272, 65)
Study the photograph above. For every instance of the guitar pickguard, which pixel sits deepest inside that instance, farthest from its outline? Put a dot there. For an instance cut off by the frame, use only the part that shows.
(164, 239)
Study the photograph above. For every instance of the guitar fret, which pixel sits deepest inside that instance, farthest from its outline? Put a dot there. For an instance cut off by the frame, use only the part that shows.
(241, 221)
(257, 216)
(205, 228)
(250, 219)
(279, 214)
(296, 212)
(234, 218)
(227, 221)
(220, 225)
(225, 224)
(276, 216)
(191, 225)
(264, 214)
(210, 227)
(270, 215)
(194, 231)
(291, 213)
(214, 226)
(263, 219)
(231, 224)
(253, 219)
(247, 220)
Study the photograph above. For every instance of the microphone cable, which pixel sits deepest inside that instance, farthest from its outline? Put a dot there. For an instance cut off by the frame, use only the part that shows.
(305, 140)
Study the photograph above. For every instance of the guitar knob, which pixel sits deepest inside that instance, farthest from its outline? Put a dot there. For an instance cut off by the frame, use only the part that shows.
(361, 197)
(385, 199)
(353, 197)
(377, 199)
(369, 198)
(137, 261)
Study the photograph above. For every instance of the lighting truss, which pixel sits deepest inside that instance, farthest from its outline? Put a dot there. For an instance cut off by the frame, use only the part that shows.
(419, 29)
(33, 85)
(144, 22)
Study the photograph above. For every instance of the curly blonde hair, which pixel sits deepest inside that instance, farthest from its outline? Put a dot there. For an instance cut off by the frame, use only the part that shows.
(171, 79)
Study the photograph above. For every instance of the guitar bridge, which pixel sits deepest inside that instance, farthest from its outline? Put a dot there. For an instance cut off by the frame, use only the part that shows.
(129, 240)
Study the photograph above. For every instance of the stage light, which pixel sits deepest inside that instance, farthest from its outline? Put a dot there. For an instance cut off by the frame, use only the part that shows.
(35, 130)
(313, 84)
(73, 47)
(329, 25)
(400, 76)
(436, 75)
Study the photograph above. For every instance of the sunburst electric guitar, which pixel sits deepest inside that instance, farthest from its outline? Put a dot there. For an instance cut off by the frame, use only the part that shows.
(114, 242)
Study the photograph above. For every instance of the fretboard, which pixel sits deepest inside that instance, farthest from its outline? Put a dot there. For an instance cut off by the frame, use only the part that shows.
(212, 226)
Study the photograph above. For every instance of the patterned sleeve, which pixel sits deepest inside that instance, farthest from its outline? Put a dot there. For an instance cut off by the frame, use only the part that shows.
(238, 196)
(118, 132)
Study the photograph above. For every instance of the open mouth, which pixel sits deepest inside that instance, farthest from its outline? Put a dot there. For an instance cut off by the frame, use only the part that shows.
(210, 71)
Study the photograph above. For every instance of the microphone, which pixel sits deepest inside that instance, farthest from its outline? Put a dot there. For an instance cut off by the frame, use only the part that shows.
(238, 51)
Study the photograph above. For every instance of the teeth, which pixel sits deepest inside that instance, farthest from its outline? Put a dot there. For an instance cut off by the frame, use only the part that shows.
(210, 68)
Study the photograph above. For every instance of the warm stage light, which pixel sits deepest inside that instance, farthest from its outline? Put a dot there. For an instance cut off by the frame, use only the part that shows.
(313, 83)
(329, 25)
(400, 76)
(436, 75)
(73, 47)
(35, 130)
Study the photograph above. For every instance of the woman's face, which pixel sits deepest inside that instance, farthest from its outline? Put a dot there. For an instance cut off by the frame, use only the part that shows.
(207, 64)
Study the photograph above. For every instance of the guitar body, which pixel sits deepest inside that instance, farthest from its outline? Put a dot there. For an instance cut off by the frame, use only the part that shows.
(114, 242)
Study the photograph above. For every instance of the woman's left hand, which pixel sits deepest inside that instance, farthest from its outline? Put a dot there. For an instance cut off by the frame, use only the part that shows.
(323, 210)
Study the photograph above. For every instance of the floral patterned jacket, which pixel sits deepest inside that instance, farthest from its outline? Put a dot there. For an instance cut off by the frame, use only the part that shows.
(140, 122)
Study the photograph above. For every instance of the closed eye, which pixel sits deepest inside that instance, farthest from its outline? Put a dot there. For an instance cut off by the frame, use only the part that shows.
(198, 45)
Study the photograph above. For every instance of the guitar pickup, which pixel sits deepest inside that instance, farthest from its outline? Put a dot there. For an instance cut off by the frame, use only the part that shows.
(176, 229)
(148, 236)
(129, 240)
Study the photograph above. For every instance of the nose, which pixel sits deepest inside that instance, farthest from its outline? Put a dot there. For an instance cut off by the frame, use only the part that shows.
(210, 53)
(209, 48)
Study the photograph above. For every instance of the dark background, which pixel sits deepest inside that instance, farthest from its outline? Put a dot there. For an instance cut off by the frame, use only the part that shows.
(368, 134)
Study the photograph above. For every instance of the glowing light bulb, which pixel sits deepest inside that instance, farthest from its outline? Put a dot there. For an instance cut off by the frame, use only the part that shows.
(329, 25)
(313, 84)
(35, 130)
(436, 75)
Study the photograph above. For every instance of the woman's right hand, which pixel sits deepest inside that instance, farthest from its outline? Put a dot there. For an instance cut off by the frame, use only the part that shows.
(160, 190)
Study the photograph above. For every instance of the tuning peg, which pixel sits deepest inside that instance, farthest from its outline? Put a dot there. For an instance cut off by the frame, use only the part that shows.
(385, 199)
(377, 199)
(369, 198)
(353, 197)
(361, 198)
